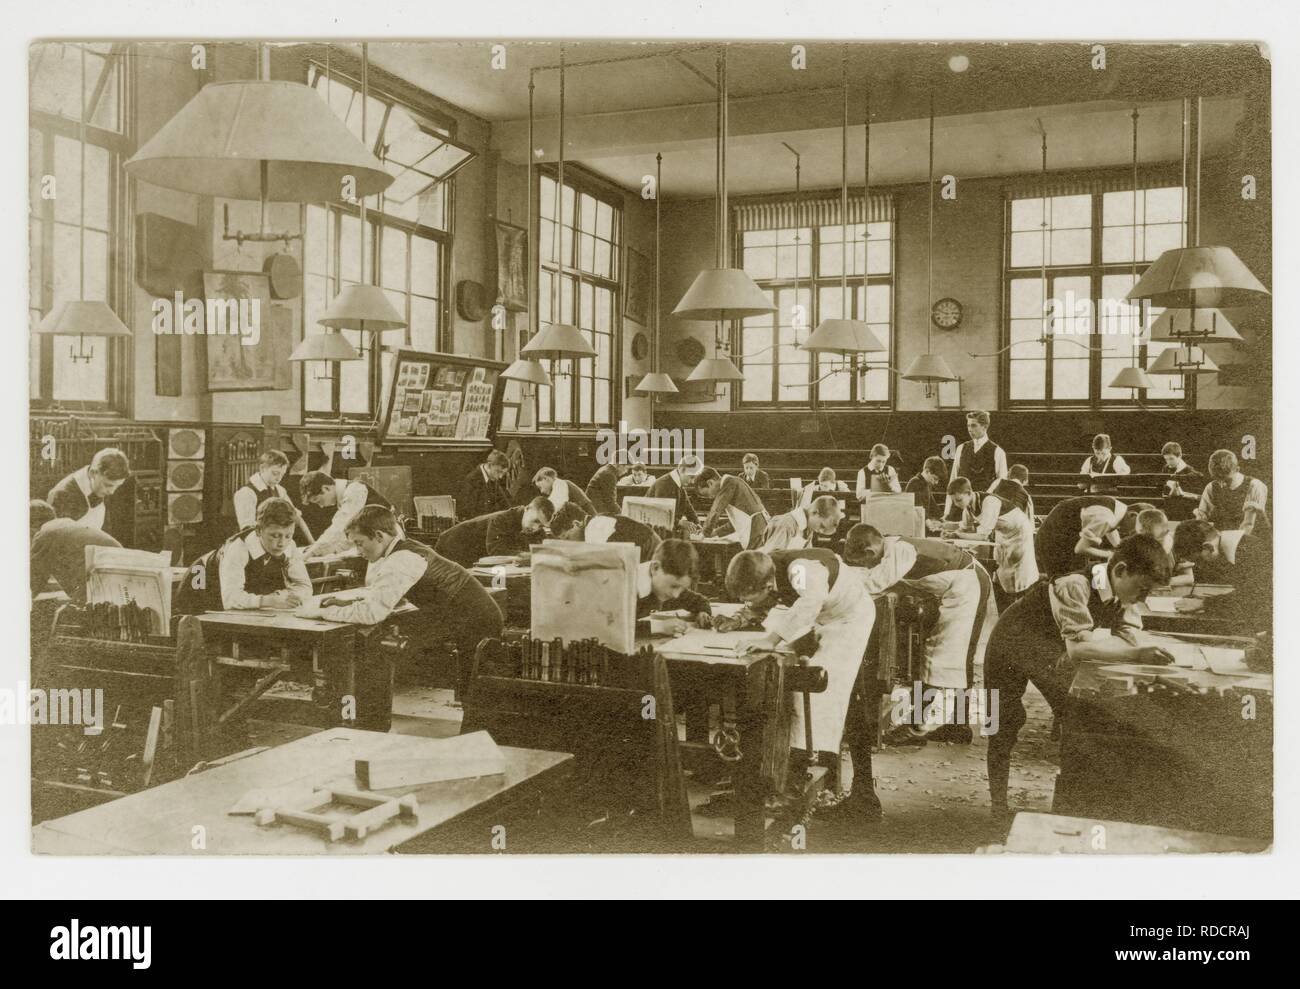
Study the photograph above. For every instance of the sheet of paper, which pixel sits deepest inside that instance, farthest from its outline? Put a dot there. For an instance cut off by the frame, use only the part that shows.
(741, 526)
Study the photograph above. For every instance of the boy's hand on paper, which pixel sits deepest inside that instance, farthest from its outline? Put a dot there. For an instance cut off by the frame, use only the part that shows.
(1154, 655)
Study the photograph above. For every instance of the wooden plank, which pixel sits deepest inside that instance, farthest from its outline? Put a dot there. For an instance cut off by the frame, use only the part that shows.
(462, 757)
(151, 744)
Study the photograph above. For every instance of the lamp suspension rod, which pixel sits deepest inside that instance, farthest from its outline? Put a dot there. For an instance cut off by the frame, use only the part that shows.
(844, 182)
(1042, 241)
(722, 166)
(534, 253)
(866, 202)
(1138, 308)
(365, 98)
(1182, 201)
(1196, 215)
(654, 333)
(929, 260)
(557, 235)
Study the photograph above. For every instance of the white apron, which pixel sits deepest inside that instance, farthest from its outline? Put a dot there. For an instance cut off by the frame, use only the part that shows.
(1013, 551)
(843, 626)
(958, 593)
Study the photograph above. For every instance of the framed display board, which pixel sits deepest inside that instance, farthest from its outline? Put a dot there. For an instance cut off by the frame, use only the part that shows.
(441, 400)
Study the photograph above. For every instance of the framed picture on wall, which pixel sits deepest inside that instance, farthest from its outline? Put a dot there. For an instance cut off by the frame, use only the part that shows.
(512, 266)
(636, 300)
(234, 365)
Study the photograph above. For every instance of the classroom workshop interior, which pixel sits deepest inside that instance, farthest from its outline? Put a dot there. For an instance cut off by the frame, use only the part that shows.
(468, 447)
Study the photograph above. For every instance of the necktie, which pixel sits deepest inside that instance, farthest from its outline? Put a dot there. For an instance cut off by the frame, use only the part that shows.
(94, 500)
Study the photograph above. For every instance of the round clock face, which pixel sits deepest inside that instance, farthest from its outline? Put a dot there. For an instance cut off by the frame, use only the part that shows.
(946, 314)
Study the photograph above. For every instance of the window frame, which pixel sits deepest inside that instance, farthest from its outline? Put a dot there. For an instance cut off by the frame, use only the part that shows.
(1095, 270)
(119, 145)
(390, 90)
(820, 364)
(582, 183)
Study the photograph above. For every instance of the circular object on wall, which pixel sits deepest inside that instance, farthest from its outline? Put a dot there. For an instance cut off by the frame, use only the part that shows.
(186, 475)
(946, 314)
(689, 351)
(184, 508)
(471, 300)
(640, 347)
(284, 275)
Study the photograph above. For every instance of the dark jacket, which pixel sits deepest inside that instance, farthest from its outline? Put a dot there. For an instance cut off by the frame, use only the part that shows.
(480, 496)
(498, 534)
(602, 490)
(60, 552)
(664, 487)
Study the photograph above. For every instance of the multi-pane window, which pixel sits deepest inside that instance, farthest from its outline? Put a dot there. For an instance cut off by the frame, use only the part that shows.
(1070, 336)
(405, 247)
(799, 268)
(56, 217)
(580, 253)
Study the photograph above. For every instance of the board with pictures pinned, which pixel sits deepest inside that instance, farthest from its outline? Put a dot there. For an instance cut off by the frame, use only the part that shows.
(441, 400)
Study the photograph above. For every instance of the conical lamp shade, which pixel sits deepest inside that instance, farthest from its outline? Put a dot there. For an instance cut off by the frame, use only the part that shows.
(716, 369)
(362, 307)
(324, 347)
(656, 384)
(1200, 325)
(1196, 278)
(1132, 377)
(723, 293)
(1183, 360)
(87, 319)
(217, 142)
(929, 367)
(558, 342)
(529, 372)
(842, 336)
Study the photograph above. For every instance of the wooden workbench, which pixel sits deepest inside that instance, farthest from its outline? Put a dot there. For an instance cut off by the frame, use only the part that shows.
(1196, 755)
(163, 820)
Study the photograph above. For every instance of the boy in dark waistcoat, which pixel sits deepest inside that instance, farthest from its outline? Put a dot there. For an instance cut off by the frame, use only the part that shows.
(1075, 617)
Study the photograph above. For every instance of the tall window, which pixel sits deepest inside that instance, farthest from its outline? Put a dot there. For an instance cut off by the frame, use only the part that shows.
(799, 268)
(55, 213)
(585, 264)
(1089, 238)
(407, 241)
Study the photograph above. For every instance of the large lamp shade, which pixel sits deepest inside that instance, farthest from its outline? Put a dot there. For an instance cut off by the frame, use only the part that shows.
(716, 369)
(324, 347)
(86, 319)
(723, 293)
(929, 368)
(1132, 377)
(1198, 278)
(842, 336)
(656, 383)
(558, 342)
(529, 372)
(216, 144)
(1183, 360)
(1193, 325)
(362, 307)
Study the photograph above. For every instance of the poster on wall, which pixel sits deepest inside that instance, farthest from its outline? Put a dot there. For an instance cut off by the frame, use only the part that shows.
(512, 267)
(249, 341)
(437, 397)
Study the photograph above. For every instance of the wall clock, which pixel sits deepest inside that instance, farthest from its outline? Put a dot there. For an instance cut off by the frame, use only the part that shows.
(640, 347)
(946, 314)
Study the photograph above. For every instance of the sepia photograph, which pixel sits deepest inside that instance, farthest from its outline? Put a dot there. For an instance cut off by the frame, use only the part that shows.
(587, 447)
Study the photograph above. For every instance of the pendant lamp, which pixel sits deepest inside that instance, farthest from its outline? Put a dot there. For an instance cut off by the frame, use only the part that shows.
(929, 367)
(1201, 325)
(1198, 277)
(842, 336)
(362, 306)
(530, 372)
(656, 383)
(559, 341)
(723, 293)
(1183, 360)
(266, 140)
(82, 317)
(1133, 376)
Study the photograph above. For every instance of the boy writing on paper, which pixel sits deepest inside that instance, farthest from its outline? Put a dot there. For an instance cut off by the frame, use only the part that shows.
(825, 598)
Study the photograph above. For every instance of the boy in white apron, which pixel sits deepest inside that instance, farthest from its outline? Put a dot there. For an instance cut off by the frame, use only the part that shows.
(824, 597)
(949, 574)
